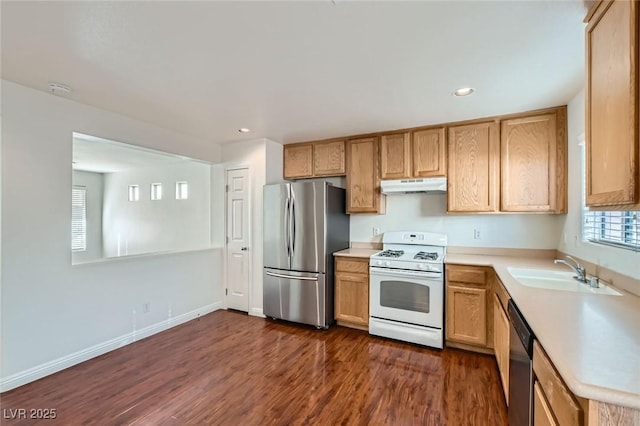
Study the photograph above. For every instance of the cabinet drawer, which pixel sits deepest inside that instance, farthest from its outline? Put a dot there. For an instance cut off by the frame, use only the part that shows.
(353, 265)
(563, 403)
(467, 274)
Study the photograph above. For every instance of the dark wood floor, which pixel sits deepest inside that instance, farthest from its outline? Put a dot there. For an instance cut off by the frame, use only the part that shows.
(227, 368)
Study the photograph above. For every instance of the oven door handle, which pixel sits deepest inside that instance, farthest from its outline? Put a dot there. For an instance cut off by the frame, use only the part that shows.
(405, 274)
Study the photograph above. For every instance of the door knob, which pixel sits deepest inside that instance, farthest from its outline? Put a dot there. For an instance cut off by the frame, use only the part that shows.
(244, 248)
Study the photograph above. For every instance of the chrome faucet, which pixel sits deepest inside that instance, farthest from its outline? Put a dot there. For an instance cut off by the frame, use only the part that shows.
(581, 274)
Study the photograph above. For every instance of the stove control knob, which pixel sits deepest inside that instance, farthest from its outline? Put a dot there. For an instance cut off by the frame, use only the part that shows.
(387, 263)
(379, 262)
(421, 266)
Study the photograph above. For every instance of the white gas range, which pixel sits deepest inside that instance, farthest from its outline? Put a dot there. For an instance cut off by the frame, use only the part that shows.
(407, 288)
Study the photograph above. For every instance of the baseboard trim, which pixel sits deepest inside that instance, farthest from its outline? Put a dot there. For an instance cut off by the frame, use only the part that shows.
(257, 312)
(43, 370)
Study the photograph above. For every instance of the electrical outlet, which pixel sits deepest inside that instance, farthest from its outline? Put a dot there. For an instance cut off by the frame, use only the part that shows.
(146, 307)
(376, 231)
(476, 234)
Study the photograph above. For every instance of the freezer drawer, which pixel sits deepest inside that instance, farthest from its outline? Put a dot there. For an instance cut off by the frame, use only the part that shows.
(296, 296)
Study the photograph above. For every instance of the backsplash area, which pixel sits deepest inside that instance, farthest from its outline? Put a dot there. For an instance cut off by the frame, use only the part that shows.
(427, 212)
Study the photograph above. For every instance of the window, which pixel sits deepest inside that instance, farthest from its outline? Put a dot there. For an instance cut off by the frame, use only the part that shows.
(78, 218)
(618, 228)
(182, 190)
(156, 191)
(134, 192)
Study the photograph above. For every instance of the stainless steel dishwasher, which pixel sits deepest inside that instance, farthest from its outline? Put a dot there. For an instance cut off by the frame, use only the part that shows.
(520, 369)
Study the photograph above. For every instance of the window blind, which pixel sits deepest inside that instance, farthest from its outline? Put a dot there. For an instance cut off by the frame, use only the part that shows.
(617, 228)
(78, 218)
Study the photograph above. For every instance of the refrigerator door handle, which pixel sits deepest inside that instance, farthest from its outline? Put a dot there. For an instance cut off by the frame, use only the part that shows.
(293, 224)
(286, 226)
(291, 277)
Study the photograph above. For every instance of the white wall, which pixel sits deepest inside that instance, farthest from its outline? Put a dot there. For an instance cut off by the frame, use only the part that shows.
(623, 261)
(217, 205)
(427, 212)
(94, 185)
(54, 314)
(275, 162)
(148, 226)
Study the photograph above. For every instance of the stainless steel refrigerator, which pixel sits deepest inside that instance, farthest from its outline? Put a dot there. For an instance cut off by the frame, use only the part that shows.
(304, 223)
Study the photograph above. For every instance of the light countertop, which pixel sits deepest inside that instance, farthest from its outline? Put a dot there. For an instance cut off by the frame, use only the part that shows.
(357, 252)
(592, 339)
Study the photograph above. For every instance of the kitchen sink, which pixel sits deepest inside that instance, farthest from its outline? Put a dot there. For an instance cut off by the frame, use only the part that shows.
(557, 280)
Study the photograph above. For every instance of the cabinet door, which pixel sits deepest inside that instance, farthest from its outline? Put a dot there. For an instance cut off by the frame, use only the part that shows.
(298, 161)
(501, 343)
(363, 180)
(562, 402)
(328, 158)
(612, 104)
(352, 298)
(473, 168)
(530, 165)
(542, 413)
(467, 315)
(429, 153)
(395, 156)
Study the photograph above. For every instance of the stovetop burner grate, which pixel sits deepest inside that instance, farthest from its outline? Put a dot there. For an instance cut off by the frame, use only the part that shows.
(391, 253)
(423, 255)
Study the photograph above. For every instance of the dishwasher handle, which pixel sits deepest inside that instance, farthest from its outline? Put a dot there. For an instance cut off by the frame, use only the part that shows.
(522, 329)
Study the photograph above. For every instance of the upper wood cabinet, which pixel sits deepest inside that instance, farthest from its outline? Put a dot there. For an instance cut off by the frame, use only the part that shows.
(533, 163)
(395, 156)
(305, 160)
(363, 179)
(429, 152)
(612, 104)
(298, 161)
(508, 164)
(473, 168)
(421, 153)
(328, 158)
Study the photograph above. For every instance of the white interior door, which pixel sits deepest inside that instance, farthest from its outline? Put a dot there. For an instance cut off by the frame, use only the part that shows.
(238, 238)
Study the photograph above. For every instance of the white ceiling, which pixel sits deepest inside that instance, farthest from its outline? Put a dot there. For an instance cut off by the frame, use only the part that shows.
(93, 154)
(294, 71)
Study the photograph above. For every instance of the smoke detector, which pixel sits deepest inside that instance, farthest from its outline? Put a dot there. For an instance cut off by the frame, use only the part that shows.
(59, 89)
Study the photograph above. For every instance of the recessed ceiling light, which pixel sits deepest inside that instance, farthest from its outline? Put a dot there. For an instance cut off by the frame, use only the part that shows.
(244, 130)
(463, 91)
(59, 89)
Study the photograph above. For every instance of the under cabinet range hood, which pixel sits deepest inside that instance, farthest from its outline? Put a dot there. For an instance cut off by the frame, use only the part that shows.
(410, 186)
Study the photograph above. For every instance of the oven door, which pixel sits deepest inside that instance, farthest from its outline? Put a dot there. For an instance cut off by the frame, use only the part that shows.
(408, 296)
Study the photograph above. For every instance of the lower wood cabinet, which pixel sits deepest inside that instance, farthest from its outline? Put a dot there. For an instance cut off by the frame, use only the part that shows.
(554, 403)
(469, 316)
(543, 413)
(501, 343)
(352, 292)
